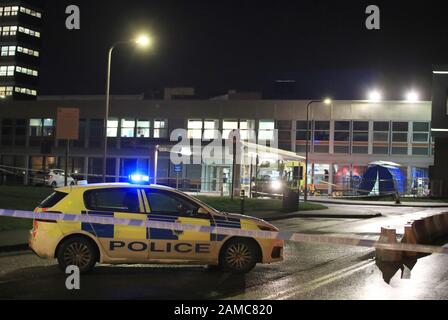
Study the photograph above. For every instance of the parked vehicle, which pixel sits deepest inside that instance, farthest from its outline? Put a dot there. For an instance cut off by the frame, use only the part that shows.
(85, 244)
(52, 178)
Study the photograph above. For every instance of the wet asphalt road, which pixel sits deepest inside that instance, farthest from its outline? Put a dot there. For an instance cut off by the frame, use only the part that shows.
(310, 271)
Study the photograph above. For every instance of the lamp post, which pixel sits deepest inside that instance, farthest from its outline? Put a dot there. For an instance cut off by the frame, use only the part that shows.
(327, 102)
(142, 41)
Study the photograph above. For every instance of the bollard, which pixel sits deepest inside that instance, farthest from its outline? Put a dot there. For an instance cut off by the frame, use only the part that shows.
(438, 224)
(409, 238)
(243, 196)
(444, 220)
(430, 228)
(397, 198)
(420, 231)
(388, 235)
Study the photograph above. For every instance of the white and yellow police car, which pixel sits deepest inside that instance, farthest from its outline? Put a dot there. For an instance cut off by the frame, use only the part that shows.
(84, 244)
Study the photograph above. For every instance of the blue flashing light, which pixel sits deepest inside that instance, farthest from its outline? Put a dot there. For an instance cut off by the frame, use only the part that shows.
(138, 178)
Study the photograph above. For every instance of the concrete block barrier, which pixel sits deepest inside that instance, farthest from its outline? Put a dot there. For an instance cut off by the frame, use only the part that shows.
(430, 228)
(426, 230)
(420, 231)
(409, 237)
(444, 222)
(438, 223)
(388, 235)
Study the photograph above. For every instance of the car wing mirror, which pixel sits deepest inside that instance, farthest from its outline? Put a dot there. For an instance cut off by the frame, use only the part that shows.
(202, 210)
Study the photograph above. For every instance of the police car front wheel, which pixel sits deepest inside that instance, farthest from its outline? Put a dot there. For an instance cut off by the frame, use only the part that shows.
(239, 256)
(77, 251)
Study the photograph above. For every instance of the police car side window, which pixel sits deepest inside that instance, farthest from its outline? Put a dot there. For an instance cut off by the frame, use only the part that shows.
(112, 199)
(170, 203)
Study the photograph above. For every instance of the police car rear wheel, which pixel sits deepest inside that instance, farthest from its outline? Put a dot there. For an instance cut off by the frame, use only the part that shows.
(79, 252)
(239, 256)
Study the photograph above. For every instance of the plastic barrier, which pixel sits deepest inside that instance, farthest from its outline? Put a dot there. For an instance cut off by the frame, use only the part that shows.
(175, 226)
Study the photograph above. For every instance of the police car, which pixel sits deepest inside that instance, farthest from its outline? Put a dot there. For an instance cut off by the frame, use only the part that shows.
(85, 244)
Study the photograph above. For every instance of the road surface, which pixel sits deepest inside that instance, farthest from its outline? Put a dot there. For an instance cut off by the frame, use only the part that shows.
(310, 271)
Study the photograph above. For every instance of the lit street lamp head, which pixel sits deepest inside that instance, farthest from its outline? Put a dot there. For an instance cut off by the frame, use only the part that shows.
(143, 41)
(375, 96)
(327, 101)
(412, 96)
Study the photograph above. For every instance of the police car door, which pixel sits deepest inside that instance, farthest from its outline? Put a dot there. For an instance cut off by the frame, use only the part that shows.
(119, 241)
(169, 206)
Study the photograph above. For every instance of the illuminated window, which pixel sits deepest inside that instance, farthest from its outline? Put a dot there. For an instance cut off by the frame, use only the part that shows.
(29, 32)
(27, 91)
(247, 129)
(127, 128)
(35, 127)
(9, 30)
(112, 128)
(211, 127)
(27, 51)
(8, 51)
(41, 127)
(27, 71)
(143, 128)
(31, 12)
(14, 10)
(48, 127)
(266, 130)
(160, 129)
(194, 129)
(6, 91)
(227, 127)
(6, 71)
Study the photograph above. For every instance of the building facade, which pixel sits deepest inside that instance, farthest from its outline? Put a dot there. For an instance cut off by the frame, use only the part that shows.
(20, 42)
(345, 138)
(439, 173)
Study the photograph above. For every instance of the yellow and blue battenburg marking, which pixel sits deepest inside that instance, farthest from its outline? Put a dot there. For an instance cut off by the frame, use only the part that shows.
(138, 232)
(99, 230)
(162, 234)
(224, 222)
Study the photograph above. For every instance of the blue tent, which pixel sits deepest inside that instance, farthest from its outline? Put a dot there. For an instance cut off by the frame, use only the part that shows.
(382, 178)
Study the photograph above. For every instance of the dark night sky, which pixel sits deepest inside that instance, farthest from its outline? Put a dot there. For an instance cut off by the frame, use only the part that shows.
(220, 45)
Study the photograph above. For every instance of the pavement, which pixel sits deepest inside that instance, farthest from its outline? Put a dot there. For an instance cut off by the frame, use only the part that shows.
(333, 211)
(403, 203)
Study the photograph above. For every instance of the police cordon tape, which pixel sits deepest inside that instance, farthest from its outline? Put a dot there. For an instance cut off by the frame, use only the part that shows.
(260, 234)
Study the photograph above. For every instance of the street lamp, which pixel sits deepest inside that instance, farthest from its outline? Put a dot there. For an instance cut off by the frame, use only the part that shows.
(326, 101)
(412, 96)
(141, 41)
(375, 96)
